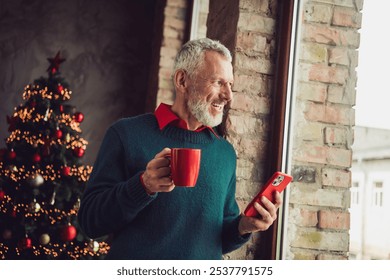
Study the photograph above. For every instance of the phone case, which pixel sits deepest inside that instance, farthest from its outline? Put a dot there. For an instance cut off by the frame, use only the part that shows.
(278, 182)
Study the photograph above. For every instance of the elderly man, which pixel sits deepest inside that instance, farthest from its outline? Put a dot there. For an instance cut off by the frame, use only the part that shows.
(130, 194)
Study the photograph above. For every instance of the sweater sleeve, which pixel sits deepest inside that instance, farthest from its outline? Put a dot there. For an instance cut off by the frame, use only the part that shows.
(231, 238)
(113, 197)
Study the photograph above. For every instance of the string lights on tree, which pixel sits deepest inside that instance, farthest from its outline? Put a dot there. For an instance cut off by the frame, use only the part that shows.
(42, 176)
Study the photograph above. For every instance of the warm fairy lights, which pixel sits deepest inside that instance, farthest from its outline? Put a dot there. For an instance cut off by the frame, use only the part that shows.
(37, 209)
(102, 249)
(3, 251)
(33, 140)
(34, 90)
(54, 250)
(18, 174)
(67, 120)
(75, 126)
(83, 172)
(26, 114)
(70, 142)
(55, 215)
(6, 200)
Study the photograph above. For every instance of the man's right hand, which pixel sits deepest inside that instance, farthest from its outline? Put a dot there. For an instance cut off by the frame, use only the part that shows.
(156, 177)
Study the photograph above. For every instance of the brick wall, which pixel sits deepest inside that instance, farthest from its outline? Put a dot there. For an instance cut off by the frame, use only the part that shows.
(254, 58)
(318, 222)
(174, 28)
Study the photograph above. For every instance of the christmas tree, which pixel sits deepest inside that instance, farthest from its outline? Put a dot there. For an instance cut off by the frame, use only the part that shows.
(42, 176)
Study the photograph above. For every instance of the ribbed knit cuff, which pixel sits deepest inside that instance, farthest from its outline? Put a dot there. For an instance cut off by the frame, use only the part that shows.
(232, 239)
(241, 238)
(143, 184)
(244, 238)
(136, 192)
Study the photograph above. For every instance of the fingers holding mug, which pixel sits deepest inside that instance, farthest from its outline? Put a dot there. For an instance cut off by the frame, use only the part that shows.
(156, 177)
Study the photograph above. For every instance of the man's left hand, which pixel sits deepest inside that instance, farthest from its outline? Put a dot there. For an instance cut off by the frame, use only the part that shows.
(267, 215)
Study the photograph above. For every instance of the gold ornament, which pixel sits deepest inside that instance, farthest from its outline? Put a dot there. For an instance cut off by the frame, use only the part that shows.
(44, 239)
(93, 246)
(34, 207)
(12, 168)
(35, 180)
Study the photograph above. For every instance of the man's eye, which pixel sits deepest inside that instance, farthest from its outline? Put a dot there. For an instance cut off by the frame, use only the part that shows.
(221, 83)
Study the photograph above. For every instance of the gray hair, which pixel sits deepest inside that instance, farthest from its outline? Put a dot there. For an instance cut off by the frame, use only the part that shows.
(191, 55)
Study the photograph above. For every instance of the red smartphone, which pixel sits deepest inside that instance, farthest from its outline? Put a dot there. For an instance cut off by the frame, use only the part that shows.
(278, 182)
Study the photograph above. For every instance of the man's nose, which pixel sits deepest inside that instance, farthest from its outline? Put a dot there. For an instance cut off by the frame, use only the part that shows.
(227, 92)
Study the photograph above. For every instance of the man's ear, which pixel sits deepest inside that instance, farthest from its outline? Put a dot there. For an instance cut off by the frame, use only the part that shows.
(180, 80)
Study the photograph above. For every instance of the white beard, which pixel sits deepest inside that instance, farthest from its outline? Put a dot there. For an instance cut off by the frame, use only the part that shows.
(200, 110)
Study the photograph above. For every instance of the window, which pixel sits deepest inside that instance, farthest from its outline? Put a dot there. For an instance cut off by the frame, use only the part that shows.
(355, 193)
(377, 194)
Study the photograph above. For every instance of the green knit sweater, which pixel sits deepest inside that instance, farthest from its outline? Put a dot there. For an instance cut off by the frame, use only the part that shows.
(187, 223)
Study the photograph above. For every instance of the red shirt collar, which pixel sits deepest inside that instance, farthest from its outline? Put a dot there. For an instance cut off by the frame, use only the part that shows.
(165, 116)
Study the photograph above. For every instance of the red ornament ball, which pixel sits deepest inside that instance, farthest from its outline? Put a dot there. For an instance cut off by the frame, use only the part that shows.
(61, 108)
(25, 243)
(78, 117)
(78, 152)
(60, 88)
(2, 195)
(68, 233)
(65, 171)
(36, 158)
(12, 155)
(58, 134)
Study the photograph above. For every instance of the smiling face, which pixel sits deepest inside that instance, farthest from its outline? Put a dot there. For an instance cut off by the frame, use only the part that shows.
(210, 89)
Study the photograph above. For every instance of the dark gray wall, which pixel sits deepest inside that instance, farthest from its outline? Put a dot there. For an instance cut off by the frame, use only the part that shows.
(107, 46)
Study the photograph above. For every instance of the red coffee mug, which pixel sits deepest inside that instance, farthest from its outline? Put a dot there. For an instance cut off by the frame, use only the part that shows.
(185, 163)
